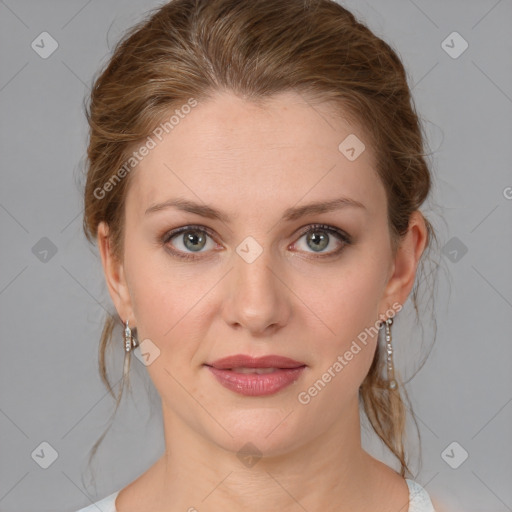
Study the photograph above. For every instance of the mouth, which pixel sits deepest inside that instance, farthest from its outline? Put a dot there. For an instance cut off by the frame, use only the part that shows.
(256, 376)
(256, 381)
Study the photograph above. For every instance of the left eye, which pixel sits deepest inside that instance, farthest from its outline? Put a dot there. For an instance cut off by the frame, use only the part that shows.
(195, 238)
(319, 237)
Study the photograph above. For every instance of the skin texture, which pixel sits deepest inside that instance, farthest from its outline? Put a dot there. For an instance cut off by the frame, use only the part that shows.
(253, 162)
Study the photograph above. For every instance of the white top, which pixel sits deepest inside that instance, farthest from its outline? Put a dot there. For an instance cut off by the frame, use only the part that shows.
(419, 500)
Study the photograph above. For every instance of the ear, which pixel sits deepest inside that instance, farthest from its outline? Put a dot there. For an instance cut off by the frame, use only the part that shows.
(406, 261)
(114, 275)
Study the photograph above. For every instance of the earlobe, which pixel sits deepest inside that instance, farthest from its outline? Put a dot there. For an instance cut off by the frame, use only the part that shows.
(114, 274)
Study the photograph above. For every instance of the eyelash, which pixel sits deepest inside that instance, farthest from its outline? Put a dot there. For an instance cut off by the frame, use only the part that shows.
(341, 235)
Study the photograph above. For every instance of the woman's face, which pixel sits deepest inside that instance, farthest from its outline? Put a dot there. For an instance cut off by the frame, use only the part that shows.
(254, 282)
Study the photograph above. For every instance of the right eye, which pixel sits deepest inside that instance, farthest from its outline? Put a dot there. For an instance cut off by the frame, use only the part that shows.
(188, 238)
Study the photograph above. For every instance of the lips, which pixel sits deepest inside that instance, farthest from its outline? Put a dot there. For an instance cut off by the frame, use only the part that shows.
(241, 362)
(256, 376)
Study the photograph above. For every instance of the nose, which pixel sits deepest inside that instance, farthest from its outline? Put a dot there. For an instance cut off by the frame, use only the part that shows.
(256, 297)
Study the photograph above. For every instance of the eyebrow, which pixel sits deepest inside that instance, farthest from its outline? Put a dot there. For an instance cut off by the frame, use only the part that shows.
(289, 214)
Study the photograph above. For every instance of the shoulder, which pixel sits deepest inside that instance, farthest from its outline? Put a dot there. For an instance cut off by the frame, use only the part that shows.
(419, 500)
(105, 505)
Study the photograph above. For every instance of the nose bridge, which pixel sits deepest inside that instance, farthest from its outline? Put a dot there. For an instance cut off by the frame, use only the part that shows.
(258, 299)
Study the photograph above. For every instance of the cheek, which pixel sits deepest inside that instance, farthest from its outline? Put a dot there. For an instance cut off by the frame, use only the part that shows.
(155, 306)
(346, 302)
(344, 352)
(170, 304)
(158, 291)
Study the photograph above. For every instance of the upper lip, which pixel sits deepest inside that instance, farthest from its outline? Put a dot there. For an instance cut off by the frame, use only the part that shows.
(245, 361)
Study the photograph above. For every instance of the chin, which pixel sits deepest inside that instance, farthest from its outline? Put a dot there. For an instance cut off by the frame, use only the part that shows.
(266, 432)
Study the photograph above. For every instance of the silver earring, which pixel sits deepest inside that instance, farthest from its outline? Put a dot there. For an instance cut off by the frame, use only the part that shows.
(130, 341)
(391, 371)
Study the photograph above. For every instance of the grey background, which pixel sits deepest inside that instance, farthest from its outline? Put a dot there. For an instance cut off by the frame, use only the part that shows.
(52, 304)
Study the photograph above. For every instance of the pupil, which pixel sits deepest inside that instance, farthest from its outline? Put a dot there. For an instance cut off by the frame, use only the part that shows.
(191, 239)
(319, 241)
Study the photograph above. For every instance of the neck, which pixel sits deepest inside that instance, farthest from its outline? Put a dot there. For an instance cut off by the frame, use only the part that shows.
(328, 472)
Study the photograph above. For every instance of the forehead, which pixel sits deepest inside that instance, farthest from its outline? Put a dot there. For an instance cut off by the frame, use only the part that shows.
(237, 152)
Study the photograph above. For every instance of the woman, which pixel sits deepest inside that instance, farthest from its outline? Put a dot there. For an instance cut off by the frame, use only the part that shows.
(255, 173)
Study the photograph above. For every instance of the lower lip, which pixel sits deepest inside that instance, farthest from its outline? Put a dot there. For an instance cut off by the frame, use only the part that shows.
(253, 384)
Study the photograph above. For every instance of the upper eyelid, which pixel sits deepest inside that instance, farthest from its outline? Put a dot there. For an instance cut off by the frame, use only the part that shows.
(183, 229)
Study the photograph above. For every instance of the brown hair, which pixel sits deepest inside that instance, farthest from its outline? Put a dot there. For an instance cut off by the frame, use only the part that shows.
(257, 48)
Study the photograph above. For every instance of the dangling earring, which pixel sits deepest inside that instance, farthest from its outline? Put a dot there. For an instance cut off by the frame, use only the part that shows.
(391, 371)
(130, 341)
